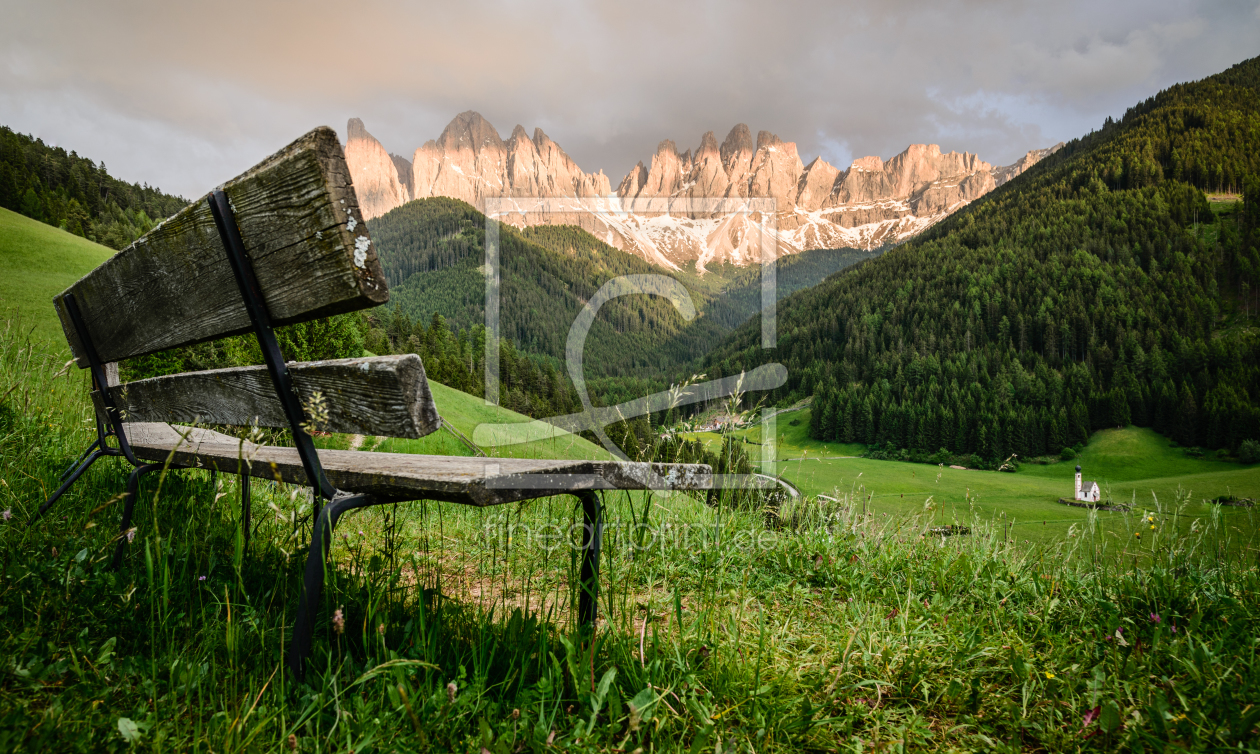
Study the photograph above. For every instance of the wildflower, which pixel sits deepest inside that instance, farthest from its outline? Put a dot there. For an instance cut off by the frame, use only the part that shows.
(339, 621)
(202, 578)
(1152, 527)
(381, 629)
(131, 534)
(7, 514)
(1154, 618)
(292, 742)
(1137, 534)
(451, 689)
(1049, 674)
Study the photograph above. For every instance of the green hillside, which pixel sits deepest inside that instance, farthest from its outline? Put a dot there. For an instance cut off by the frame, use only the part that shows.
(741, 293)
(433, 252)
(39, 261)
(1097, 290)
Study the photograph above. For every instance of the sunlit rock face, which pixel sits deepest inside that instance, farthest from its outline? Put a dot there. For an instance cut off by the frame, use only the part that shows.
(665, 211)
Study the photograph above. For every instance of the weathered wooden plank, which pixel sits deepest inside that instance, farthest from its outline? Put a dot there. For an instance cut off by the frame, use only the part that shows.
(400, 476)
(310, 249)
(382, 395)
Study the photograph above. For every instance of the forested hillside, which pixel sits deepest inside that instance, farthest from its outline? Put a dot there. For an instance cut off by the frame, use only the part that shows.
(433, 252)
(741, 297)
(76, 194)
(1098, 289)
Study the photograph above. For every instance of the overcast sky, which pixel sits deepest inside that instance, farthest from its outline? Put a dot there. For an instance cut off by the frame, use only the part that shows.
(184, 95)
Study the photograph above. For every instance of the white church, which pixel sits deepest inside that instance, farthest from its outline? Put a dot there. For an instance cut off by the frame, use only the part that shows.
(1086, 491)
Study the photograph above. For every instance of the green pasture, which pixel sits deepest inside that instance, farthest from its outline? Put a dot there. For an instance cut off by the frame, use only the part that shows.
(38, 261)
(1135, 467)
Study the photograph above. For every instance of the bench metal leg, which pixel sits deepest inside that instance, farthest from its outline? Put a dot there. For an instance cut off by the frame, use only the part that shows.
(313, 577)
(95, 444)
(74, 477)
(129, 506)
(592, 535)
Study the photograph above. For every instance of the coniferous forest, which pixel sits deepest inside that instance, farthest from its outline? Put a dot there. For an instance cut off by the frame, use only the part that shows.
(76, 194)
(1100, 289)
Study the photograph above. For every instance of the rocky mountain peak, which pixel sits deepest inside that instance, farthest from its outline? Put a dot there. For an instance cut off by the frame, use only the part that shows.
(373, 171)
(708, 144)
(356, 130)
(766, 139)
(471, 131)
(469, 161)
(871, 203)
(738, 141)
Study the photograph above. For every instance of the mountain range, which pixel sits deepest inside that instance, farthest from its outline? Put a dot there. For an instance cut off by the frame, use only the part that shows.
(683, 208)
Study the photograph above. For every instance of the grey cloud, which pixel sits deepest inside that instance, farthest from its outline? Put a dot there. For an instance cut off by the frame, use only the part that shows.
(183, 95)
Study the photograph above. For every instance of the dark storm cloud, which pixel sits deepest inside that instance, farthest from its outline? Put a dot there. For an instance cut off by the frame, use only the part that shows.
(183, 95)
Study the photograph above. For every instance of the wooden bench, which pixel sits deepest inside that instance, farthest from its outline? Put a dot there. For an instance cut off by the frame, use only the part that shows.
(280, 244)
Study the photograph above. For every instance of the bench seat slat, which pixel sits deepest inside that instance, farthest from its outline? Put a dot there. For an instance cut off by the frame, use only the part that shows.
(471, 481)
(381, 395)
(310, 250)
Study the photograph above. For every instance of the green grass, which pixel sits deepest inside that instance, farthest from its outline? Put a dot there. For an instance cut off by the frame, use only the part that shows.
(1134, 466)
(827, 631)
(39, 261)
(826, 626)
(1125, 455)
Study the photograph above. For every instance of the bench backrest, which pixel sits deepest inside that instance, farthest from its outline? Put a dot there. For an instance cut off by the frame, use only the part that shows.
(312, 257)
(174, 286)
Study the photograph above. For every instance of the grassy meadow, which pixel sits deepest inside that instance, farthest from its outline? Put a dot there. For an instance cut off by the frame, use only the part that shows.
(39, 261)
(1135, 467)
(839, 625)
